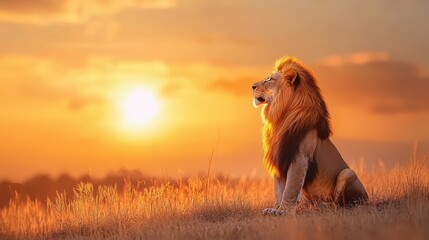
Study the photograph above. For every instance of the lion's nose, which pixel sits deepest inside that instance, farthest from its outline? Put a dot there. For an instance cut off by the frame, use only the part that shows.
(253, 87)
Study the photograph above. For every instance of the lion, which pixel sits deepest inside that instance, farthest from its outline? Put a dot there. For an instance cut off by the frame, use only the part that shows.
(298, 152)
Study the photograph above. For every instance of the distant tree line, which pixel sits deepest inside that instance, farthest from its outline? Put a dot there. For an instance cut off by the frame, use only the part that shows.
(44, 186)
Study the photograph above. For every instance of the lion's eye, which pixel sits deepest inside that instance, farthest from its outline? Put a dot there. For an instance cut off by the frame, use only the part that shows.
(268, 80)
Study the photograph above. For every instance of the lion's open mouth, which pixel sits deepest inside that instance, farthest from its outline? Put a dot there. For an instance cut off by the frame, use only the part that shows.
(257, 101)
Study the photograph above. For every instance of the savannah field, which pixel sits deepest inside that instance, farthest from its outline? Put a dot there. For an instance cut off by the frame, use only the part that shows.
(223, 208)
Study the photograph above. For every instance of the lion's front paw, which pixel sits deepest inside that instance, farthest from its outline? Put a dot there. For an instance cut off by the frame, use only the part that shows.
(274, 212)
(269, 211)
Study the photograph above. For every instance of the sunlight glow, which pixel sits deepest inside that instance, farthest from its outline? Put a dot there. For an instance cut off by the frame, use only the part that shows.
(138, 107)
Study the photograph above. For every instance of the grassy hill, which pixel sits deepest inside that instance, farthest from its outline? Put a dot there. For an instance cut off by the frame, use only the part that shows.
(221, 208)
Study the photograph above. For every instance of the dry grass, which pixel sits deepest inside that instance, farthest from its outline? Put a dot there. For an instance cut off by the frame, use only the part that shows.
(398, 209)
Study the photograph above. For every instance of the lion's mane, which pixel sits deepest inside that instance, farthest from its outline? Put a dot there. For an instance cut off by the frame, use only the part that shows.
(288, 119)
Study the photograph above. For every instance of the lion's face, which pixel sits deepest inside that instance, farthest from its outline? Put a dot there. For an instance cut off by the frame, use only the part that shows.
(265, 91)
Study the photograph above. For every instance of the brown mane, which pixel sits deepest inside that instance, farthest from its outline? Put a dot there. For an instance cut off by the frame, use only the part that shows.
(288, 120)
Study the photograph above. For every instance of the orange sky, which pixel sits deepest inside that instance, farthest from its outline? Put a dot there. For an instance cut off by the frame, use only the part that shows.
(66, 66)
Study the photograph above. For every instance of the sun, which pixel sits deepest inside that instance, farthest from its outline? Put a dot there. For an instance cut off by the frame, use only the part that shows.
(138, 107)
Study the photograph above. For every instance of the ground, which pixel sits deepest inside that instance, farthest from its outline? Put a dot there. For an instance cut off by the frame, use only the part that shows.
(223, 208)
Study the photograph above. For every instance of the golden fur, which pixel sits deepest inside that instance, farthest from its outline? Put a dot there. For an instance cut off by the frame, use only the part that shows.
(287, 120)
(297, 148)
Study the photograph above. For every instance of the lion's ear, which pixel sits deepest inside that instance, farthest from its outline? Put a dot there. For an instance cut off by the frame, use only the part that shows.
(292, 77)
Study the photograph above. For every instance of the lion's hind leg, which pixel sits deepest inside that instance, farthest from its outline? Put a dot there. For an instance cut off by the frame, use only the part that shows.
(345, 178)
(349, 190)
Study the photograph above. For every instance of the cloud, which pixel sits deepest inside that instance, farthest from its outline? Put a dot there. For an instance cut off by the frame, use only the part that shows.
(32, 81)
(79, 102)
(370, 81)
(170, 89)
(69, 11)
(239, 87)
(29, 7)
(355, 58)
(96, 82)
(211, 39)
(375, 82)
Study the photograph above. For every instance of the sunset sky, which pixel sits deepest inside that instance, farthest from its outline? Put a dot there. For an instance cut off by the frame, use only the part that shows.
(71, 69)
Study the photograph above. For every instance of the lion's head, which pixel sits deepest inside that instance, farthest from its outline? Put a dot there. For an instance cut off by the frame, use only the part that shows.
(276, 91)
(293, 105)
(265, 91)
